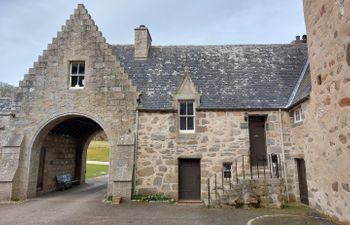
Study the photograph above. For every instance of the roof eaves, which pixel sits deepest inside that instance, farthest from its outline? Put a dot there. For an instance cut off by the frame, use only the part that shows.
(298, 102)
(295, 90)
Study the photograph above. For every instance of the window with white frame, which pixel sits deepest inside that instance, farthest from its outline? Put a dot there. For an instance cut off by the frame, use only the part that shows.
(77, 75)
(298, 115)
(186, 114)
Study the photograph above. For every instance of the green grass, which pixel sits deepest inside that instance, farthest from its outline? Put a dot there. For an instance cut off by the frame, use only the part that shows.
(93, 170)
(98, 151)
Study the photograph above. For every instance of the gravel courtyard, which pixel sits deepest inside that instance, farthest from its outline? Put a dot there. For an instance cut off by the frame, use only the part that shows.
(83, 206)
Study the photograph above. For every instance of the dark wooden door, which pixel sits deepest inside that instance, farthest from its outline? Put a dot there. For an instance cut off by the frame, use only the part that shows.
(41, 171)
(257, 140)
(302, 181)
(189, 179)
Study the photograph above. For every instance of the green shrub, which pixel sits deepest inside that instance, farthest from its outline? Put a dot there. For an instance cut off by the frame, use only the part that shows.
(153, 198)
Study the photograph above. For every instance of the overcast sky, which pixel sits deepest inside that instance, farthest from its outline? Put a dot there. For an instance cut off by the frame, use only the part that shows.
(27, 26)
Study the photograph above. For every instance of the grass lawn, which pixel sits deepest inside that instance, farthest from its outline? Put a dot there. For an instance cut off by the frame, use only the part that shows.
(93, 170)
(98, 151)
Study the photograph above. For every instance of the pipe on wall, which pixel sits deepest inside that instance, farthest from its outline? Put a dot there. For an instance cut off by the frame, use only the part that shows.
(135, 153)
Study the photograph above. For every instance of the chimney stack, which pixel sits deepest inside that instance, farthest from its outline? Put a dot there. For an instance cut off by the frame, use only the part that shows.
(304, 38)
(299, 40)
(143, 42)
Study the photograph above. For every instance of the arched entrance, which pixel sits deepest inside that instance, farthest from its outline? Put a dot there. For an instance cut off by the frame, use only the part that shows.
(61, 148)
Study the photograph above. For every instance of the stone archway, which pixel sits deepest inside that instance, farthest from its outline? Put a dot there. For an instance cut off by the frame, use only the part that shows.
(59, 147)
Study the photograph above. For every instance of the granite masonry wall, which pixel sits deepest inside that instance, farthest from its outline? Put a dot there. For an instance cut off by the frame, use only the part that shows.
(6, 158)
(219, 138)
(296, 139)
(327, 151)
(60, 159)
(45, 99)
(4, 128)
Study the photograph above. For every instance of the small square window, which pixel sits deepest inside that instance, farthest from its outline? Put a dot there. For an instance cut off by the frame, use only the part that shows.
(186, 117)
(298, 115)
(77, 75)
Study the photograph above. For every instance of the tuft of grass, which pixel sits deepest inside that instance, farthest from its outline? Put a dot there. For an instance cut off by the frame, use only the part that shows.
(98, 151)
(16, 199)
(152, 198)
(93, 170)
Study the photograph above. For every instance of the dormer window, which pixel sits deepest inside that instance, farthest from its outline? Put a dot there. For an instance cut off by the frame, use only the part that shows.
(77, 75)
(187, 115)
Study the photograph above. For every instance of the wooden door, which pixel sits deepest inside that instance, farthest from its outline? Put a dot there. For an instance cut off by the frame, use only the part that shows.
(257, 139)
(302, 181)
(189, 179)
(41, 171)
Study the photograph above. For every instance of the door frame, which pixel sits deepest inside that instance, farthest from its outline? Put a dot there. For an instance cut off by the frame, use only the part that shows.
(199, 180)
(264, 116)
(301, 174)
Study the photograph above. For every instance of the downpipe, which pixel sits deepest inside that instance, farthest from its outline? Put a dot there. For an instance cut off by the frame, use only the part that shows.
(135, 153)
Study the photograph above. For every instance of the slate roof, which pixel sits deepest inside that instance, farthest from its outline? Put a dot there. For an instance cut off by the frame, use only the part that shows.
(227, 76)
(304, 89)
(5, 105)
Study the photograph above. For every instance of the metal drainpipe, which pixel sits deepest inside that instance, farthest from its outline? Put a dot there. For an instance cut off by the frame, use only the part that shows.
(283, 155)
(135, 151)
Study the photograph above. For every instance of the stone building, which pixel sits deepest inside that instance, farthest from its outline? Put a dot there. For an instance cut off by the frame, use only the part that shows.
(175, 117)
(327, 134)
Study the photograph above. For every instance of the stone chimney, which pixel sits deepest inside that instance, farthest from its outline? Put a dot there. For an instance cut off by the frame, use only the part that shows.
(143, 42)
(299, 41)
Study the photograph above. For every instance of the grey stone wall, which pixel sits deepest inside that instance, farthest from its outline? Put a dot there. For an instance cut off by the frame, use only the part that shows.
(44, 99)
(60, 159)
(218, 138)
(257, 193)
(10, 144)
(297, 138)
(327, 152)
(4, 128)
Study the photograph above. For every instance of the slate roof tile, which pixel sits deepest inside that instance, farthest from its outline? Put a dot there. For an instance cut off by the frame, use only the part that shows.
(228, 76)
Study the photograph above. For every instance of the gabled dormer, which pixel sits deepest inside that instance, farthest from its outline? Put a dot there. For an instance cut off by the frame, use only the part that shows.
(186, 100)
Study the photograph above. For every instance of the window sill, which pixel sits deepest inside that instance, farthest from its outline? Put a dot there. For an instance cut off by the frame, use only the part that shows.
(76, 88)
(186, 135)
(186, 132)
(295, 124)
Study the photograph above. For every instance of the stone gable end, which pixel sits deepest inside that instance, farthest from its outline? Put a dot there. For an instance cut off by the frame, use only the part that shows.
(45, 96)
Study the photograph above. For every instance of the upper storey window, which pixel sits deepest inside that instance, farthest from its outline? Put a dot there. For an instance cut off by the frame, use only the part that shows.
(298, 115)
(186, 113)
(77, 75)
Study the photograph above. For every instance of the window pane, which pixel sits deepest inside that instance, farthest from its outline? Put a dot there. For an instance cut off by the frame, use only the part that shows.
(182, 108)
(74, 81)
(81, 68)
(190, 108)
(182, 123)
(190, 123)
(81, 81)
(74, 68)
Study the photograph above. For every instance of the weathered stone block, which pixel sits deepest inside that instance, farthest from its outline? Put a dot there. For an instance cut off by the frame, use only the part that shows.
(147, 171)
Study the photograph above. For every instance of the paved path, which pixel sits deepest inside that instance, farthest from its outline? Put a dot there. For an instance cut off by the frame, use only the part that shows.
(97, 162)
(83, 206)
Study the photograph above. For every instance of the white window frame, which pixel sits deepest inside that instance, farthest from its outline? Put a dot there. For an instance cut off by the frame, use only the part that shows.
(186, 131)
(76, 75)
(298, 115)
